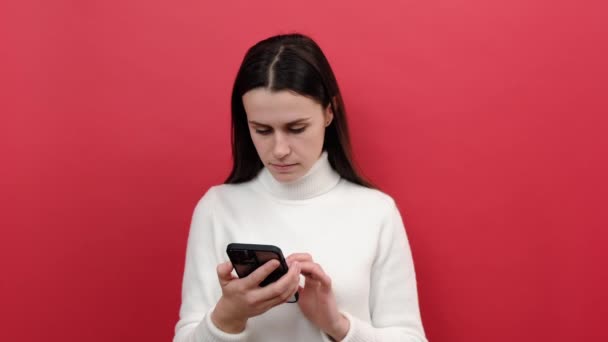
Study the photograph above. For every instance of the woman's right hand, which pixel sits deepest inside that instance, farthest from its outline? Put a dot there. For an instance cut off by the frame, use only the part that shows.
(244, 298)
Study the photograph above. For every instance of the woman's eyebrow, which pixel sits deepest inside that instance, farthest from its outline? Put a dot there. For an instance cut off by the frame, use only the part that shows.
(302, 120)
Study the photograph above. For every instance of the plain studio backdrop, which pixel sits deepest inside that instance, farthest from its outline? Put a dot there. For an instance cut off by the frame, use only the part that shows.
(485, 120)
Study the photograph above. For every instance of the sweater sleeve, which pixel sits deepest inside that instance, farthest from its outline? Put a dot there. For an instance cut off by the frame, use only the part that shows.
(394, 310)
(200, 286)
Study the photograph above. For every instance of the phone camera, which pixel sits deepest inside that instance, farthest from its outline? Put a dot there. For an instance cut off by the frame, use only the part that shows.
(244, 256)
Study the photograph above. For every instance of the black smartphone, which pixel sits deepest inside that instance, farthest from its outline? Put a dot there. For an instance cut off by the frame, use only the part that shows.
(246, 258)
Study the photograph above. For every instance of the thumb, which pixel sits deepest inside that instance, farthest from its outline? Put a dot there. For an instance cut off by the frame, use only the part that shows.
(224, 274)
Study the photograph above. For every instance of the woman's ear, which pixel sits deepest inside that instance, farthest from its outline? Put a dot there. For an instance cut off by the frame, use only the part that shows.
(329, 115)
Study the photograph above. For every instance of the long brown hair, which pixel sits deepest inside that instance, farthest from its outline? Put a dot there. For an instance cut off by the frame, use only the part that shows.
(296, 63)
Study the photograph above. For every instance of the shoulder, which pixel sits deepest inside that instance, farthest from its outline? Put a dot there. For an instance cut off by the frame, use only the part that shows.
(369, 197)
(222, 193)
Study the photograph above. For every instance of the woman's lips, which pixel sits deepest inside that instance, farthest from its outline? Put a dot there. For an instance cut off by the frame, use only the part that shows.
(283, 167)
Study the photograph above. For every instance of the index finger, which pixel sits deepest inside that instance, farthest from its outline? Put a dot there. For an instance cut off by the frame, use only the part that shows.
(315, 272)
(300, 257)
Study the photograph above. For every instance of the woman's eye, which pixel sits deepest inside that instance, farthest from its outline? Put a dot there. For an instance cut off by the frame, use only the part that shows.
(297, 130)
(263, 131)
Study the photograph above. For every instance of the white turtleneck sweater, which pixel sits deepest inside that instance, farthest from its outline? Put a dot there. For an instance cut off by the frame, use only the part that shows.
(355, 233)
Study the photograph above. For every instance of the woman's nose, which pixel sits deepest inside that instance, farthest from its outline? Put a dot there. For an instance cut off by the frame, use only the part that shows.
(281, 146)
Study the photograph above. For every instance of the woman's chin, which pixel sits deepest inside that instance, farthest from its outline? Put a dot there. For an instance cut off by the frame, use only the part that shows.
(286, 177)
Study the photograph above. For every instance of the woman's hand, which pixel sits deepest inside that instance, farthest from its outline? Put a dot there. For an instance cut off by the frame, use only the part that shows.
(317, 300)
(244, 298)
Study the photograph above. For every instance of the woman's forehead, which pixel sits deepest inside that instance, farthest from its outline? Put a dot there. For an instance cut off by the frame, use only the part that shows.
(262, 104)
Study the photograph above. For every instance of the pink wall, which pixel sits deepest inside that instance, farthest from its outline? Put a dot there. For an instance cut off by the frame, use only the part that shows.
(486, 120)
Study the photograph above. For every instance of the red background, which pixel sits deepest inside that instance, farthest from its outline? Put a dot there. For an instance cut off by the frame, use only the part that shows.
(486, 120)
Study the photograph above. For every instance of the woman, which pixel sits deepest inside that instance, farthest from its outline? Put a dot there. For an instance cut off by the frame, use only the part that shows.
(293, 185)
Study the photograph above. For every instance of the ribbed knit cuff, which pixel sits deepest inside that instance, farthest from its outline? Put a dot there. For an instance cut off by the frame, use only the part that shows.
(359, 331)
(208, 332)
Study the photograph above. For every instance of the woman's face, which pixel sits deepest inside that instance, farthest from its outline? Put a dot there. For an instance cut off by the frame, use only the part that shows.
(287, 130)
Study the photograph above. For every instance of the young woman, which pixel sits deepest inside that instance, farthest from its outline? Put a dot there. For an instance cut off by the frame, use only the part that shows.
(293, 185)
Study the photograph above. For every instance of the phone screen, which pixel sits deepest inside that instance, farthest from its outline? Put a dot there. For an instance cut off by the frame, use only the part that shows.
(246, 261)
(247, 258)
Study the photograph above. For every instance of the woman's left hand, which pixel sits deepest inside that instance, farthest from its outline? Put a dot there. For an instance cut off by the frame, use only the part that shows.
(317, 300)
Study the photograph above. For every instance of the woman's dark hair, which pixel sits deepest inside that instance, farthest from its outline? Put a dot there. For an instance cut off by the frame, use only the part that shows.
(296, 63)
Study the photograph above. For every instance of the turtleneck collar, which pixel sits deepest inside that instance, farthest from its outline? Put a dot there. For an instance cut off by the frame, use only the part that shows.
(318, 180)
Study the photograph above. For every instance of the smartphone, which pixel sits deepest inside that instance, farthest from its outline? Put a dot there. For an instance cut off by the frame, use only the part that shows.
(246, 258)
